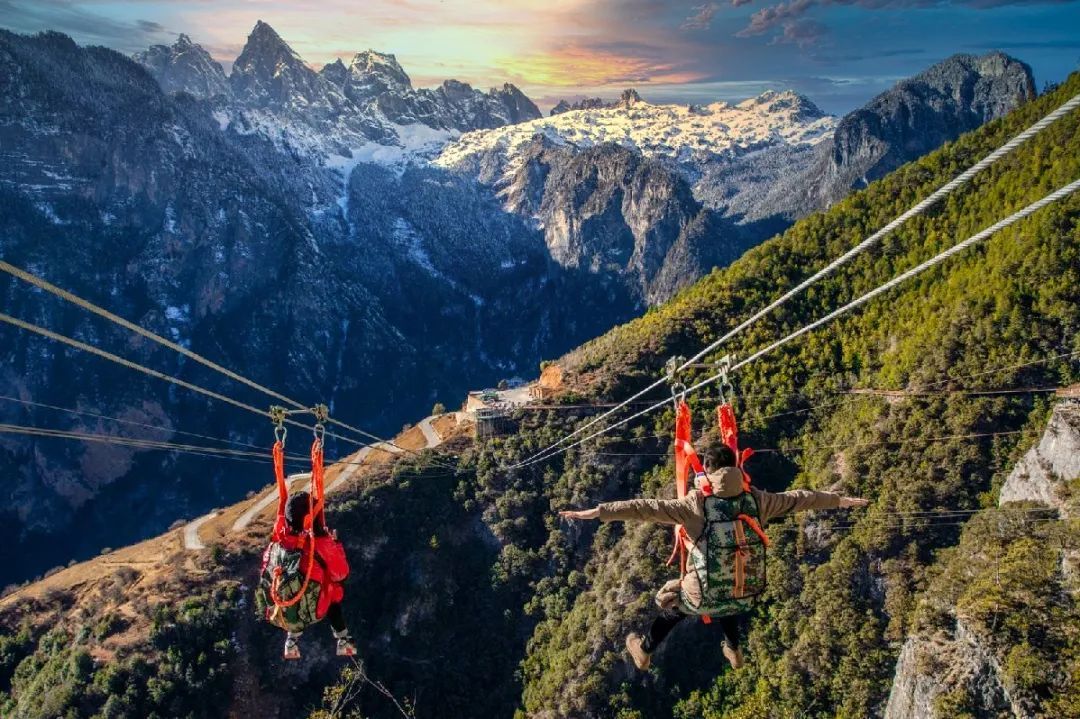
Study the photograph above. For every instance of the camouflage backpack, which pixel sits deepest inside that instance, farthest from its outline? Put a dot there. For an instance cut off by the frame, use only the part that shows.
(728, 558)
(298, 616)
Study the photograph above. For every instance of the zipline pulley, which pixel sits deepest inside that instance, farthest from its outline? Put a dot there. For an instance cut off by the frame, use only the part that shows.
(322, 416)
(726, 389)
(277, 416)
(671, 370)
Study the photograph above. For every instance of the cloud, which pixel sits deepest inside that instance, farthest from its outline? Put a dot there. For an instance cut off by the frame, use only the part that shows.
(765, 19)
(82, 25)
(615, 64)
(801, 32)
(785, 14)
(703, 15)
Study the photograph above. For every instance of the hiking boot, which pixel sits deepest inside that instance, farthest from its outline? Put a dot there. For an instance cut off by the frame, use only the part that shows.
(345, 646)
(635, 645)
(292, 648)
(734, 656)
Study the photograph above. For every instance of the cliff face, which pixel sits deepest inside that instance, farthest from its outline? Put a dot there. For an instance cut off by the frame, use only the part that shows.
(754, 167)
(965, 664)
(913, 118)
(929, 669)
(1042, 474)
(609, 211)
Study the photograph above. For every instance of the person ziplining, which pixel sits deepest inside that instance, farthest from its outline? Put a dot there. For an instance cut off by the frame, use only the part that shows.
(719, 534)
(304, 565)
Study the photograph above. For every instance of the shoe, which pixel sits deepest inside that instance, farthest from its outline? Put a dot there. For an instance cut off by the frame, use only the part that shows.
(345, 647)
(635, 645)
(292, 649)
(734, 656)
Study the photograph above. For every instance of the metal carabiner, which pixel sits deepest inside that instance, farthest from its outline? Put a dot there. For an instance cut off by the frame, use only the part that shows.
(678, 392)
(277, 416)
(671, 368)
(322, 416)
(726, 388)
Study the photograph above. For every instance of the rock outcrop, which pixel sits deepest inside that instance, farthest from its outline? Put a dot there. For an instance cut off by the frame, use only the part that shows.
(928, 668)
(185, 67)
(1041, 475)
(914, 117)
(965, 663)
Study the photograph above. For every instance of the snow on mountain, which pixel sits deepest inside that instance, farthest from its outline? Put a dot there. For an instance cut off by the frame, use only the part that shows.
(367, 108)
(185, 67)
(335, 118)
(683, 134)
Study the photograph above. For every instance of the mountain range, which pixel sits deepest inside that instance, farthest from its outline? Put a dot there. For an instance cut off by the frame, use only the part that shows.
(953, 594)
(311, 228)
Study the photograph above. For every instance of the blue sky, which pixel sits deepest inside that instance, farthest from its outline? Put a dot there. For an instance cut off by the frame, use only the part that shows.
(837, 52)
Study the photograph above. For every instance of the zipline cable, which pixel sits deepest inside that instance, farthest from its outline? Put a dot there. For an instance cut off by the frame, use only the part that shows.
(879, 290)
(129, 422)
(89, 306)
(154, 373)
(199, 450)
(182, 383)
(939, 194)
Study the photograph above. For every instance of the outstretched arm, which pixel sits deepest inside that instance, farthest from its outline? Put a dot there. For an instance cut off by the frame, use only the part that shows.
(660, 511)
(773, 505)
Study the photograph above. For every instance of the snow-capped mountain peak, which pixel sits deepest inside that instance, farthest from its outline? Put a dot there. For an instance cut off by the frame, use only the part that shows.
(681, 133)
(185, 66)
(384, 66)
(270, 73)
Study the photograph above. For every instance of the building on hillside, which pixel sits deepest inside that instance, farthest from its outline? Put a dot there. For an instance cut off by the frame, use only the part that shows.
(492, 409)
(551, 378)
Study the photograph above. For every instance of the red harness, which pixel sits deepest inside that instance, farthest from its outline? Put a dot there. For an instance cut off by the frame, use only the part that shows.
(316, 500)
(686, 459)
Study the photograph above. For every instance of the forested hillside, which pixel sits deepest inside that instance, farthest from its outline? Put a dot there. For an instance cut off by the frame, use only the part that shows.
(469, 597)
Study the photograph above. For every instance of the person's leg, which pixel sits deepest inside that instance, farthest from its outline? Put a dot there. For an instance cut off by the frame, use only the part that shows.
(661, 627)
(730, 627)
(336, 617)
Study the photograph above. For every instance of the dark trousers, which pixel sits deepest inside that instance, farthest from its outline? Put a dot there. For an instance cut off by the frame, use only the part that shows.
(666, 621)
(336, 617)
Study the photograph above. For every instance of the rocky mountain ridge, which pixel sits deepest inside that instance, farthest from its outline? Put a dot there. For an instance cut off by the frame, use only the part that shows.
(747, 168)
(363, 102)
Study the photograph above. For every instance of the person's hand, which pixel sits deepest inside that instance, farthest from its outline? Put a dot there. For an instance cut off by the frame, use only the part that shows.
(848, 502)
(580, 513)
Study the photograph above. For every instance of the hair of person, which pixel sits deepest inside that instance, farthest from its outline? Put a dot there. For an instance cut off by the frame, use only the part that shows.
(717, 455)
(296, 509)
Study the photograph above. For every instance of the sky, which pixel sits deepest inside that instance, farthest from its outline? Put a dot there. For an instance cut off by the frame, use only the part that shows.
(839, 53)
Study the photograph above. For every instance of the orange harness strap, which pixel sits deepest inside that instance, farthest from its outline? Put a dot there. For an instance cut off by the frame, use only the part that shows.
(282, 488)
(316, 502)
(753, 524)
(685, 460)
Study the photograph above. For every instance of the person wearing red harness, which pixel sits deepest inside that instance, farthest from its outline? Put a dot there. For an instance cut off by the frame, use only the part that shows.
(726, 480)
(331, 569)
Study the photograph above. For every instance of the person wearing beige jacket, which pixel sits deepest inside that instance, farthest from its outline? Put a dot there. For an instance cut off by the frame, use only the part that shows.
(726, 480)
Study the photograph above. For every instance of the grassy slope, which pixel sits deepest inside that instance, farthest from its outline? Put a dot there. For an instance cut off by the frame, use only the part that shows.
(826, 642)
